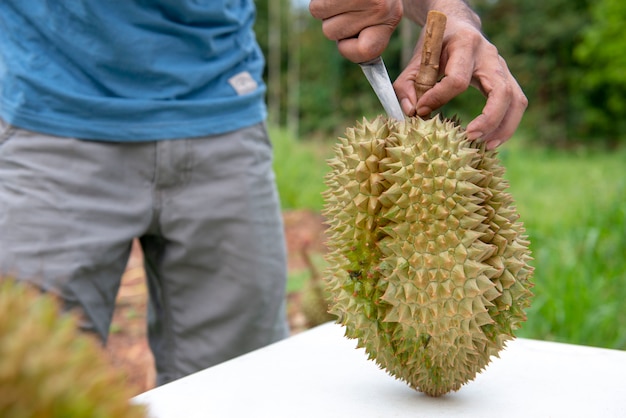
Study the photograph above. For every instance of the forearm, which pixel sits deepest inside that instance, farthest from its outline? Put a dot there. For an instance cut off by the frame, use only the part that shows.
(417, 10)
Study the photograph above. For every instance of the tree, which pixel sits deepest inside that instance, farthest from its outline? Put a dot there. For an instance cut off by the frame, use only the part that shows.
(304, 70)
(602, 53)
(566, 54)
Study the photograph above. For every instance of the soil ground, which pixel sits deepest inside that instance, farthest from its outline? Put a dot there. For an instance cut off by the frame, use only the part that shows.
(127, 343)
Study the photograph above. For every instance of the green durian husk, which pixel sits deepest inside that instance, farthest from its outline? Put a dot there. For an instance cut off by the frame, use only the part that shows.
(48, 368)
(428, 263)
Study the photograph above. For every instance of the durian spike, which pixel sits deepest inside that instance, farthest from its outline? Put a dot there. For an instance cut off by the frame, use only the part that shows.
(431, 52)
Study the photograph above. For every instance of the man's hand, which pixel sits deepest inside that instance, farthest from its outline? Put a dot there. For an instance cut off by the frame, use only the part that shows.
(362, 28)
(468, 59)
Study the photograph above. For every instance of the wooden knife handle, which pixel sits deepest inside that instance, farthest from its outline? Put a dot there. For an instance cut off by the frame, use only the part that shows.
(431, 52)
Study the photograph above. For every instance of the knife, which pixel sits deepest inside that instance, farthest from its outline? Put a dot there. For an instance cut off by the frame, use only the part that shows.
(376, 73)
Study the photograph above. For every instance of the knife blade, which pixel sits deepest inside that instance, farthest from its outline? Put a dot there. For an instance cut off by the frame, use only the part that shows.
(376, 73)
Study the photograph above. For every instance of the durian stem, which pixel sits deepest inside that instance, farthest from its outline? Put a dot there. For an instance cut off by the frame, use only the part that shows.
(431, 52)
(315, 276)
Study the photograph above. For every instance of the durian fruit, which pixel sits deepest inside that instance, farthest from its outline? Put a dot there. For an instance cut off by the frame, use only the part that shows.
(428, 263)
(49, 369)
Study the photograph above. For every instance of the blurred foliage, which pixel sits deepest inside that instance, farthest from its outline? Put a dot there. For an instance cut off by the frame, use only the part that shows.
(602, 52)
(563, 53)
(568, 56)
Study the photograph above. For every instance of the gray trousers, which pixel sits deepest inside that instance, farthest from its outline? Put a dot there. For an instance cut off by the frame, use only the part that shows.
(207, 215)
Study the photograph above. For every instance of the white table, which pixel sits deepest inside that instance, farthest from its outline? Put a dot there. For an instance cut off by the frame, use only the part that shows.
(320, 374)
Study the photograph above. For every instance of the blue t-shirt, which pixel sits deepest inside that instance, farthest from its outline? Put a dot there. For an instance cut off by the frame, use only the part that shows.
(130, 70)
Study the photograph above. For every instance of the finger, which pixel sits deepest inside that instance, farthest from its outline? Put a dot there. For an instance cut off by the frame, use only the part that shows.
(456, 81)
(325, 9)
(370, 43)
(509, 124)
(442, 92)
(404, 85)
(503, 110)
(347, 25)
(486, 124)
(346, 19)
(405, 91)
(457, 69)
(492, 144)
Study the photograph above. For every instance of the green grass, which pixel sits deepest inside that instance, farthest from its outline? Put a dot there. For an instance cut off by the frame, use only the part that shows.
(300, 168)
(574, 208)
(573, 205)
